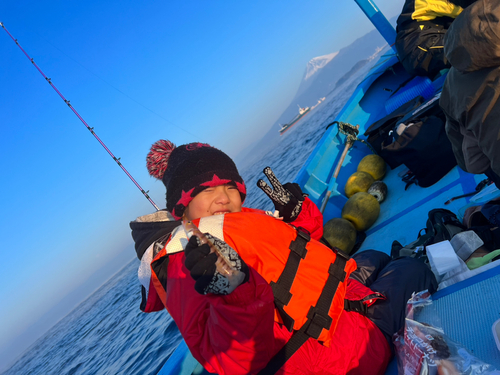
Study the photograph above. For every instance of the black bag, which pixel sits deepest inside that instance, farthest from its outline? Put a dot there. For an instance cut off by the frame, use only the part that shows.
(424, 148)
(378, 132)
(485, 221)
(441, 225)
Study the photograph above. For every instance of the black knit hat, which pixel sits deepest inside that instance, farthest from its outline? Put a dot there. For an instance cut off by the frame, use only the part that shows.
(189, 169)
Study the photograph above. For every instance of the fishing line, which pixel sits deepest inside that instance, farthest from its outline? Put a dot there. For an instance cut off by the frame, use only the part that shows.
(117, 89)
(117, 160)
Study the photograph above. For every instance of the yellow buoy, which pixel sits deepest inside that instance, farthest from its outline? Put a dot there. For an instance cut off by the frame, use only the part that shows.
(340, 233)
(359, 181)
(374, 165)
(362, 210)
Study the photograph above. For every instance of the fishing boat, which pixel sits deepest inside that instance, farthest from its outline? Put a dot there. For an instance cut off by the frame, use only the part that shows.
(292, 122)
(467, 308)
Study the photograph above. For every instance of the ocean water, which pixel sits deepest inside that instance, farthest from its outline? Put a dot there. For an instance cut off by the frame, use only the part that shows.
(107, 333)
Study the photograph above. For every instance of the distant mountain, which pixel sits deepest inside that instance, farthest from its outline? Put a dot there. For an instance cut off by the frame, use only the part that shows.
(360, 64)
(322, 75)
(312, 71)
(325, 78)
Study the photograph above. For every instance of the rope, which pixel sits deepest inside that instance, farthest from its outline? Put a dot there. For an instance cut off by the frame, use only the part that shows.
(351, 133)
(117, 160)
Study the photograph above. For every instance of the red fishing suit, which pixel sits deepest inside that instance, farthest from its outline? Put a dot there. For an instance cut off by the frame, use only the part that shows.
(241, 332)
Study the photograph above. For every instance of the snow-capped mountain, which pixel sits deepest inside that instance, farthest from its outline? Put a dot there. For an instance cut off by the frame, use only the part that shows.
(322, 75)
(317, 63)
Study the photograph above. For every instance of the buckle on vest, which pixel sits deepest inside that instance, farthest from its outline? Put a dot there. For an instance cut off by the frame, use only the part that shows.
(317, 321)
(356, 306)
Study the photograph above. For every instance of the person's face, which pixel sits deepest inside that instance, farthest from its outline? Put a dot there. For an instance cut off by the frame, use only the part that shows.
(214, 201)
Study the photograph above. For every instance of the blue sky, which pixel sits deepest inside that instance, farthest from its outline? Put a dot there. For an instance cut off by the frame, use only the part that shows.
(220, 72)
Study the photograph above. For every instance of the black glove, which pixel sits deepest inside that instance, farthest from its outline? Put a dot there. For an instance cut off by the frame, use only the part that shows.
(201, 265)
(287, 198)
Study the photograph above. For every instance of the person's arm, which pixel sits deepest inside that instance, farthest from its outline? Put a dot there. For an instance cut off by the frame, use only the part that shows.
(147, 272)
(456, 139)
(311, 219)
(484, 125)
(293, 205)
(227, 334)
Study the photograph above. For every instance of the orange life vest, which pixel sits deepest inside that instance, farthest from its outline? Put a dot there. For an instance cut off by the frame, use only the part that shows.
(308, 279)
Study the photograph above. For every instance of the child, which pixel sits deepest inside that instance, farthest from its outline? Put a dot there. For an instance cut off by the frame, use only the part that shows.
(239, 329)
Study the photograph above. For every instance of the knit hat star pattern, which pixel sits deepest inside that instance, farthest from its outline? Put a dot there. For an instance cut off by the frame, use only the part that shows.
(189, 169)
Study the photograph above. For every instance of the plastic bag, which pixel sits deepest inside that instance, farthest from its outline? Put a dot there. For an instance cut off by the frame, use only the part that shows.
(422, 347)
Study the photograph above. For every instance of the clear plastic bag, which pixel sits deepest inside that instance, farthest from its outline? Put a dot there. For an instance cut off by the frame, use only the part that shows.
(422, 347)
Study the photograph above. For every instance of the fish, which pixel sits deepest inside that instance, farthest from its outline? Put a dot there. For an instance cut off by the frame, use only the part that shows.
(223, 264)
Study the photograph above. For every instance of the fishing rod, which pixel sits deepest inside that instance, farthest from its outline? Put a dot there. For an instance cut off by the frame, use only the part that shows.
(117, 160)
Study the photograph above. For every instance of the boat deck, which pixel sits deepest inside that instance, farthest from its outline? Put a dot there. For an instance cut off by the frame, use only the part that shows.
(467, 309)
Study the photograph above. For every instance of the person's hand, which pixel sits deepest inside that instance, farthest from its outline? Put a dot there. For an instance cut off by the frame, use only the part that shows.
(201, 264)
(287, 198)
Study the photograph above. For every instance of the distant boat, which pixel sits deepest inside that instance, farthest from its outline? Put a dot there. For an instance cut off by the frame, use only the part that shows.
(318, 103)
(302, 113)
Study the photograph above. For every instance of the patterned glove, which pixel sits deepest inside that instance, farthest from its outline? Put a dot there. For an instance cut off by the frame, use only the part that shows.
(201, 265)
(287, 198)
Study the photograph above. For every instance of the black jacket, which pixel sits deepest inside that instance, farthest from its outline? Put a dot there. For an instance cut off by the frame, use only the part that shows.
(472, 88)
(150, 228)
(146, 230)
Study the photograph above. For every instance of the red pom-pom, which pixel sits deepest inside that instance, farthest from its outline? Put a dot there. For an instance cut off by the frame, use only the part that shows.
(157, 159)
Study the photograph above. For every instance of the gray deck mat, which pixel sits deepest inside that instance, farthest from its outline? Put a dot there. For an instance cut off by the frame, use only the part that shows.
(468, 314)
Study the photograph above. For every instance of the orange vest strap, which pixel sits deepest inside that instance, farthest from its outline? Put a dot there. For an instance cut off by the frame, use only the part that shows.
(317, 318)
(281, 289)
(296, 341)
